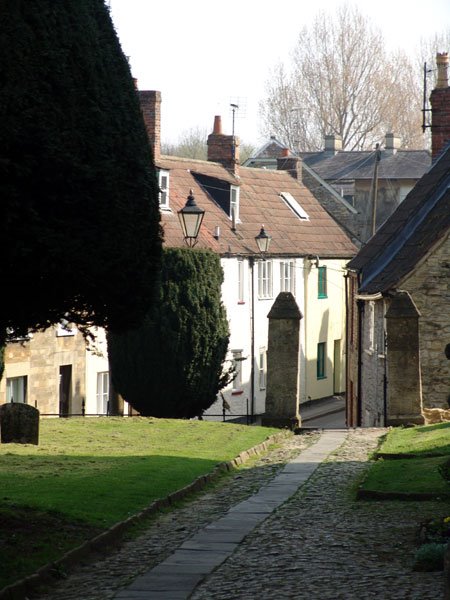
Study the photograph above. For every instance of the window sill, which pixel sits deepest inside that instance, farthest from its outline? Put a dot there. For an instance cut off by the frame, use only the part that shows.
(322, 297)
(237, 392)
(241, 301)
(320, 378)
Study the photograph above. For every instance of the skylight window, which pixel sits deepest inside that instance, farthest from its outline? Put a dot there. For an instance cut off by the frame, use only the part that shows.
(294, 206)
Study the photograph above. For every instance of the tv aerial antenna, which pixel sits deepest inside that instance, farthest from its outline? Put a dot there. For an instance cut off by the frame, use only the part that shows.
(425, 107)
(238, 107)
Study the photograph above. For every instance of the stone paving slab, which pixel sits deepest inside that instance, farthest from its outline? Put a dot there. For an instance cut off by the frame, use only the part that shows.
(240, 520)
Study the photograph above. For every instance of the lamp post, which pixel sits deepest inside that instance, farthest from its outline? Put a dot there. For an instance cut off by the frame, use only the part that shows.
(263, 242)
(191, 217)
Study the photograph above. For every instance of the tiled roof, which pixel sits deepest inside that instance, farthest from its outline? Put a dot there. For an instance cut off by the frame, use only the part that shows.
(401, 164)
(419, 222)
(260, 203)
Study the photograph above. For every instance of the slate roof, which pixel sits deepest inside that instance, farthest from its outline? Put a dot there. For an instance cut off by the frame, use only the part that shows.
(401, 164)
(260, 203)
(409, 234)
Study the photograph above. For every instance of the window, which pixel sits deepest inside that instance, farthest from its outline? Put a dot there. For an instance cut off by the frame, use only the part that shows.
(265, 279)
(294, 206)
(241, 281)
(16, 389)
(322, 282)
(262, 368)
(163, 182)
(287, 277)
(102, 392)
(321, 354)
(237, 366)
(234, 203)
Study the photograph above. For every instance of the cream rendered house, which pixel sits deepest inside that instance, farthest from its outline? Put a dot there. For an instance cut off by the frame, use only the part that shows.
(307, 254)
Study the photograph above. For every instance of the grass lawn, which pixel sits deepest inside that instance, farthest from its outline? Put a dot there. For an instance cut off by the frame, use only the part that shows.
(87, 474)
(410, 462)
(431, 440)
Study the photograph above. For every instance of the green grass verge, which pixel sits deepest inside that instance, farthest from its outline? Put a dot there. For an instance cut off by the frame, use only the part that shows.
(87, 474)
(431, 440)
(417, 455)
(413, 476)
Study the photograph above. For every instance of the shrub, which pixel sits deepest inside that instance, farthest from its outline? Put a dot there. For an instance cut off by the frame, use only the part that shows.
(172, 366)
(430, 557)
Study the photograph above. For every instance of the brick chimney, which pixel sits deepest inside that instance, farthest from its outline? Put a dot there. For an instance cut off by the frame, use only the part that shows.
(151, 111)
(292, 164)
(440, 107)
(333, 143)
(222, 148)
(392, 143)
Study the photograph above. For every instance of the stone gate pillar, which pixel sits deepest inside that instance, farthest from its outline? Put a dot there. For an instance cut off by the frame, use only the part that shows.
(404, 399)
(283, 363)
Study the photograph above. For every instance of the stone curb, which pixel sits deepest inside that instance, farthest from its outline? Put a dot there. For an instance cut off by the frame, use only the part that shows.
(377, 495)
(113, 535)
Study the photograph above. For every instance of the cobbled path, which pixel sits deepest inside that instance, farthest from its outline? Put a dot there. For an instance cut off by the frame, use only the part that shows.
(100, 579)
(321, 544)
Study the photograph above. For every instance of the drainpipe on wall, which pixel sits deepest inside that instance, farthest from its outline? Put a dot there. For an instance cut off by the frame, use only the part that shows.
(251, 261)
(360, 305)
(347, 352)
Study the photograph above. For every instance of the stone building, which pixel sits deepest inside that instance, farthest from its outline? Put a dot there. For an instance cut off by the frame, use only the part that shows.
(55, 371)
(398, 292)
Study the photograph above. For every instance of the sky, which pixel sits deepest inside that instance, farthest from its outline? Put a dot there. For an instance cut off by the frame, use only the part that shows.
(204, 55)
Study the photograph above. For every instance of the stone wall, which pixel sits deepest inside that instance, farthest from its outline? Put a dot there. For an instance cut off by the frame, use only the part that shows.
(429, 286)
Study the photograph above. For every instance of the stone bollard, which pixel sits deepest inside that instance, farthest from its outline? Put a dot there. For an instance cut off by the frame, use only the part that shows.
(283, 364)
(19, 423)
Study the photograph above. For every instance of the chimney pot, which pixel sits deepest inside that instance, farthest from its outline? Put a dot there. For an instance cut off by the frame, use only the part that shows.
(442, 70)
(217, 129)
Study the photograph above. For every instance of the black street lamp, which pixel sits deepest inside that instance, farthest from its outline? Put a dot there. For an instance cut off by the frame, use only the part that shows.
(191, 217)
(263, 240)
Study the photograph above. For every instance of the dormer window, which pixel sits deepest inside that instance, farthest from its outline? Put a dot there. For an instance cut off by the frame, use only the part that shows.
(163, 182)
(234, 203)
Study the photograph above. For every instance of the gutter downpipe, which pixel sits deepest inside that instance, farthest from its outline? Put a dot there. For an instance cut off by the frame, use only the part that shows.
(360, 305)
(252, 334)
(347, 353)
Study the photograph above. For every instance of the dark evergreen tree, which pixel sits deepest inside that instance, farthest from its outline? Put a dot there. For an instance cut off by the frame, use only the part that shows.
(79, 223)
(172, 366)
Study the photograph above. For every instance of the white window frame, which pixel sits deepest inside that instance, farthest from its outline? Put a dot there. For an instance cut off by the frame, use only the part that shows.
(287, 276)
(16, 389)
(294, 206)
(234, 202)
(265, 280)
(102, 392)
(262, 367)
(163, 184)
(241, 299)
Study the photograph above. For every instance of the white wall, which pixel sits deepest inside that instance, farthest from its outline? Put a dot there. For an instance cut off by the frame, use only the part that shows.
(240, 320)
(96, 362)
